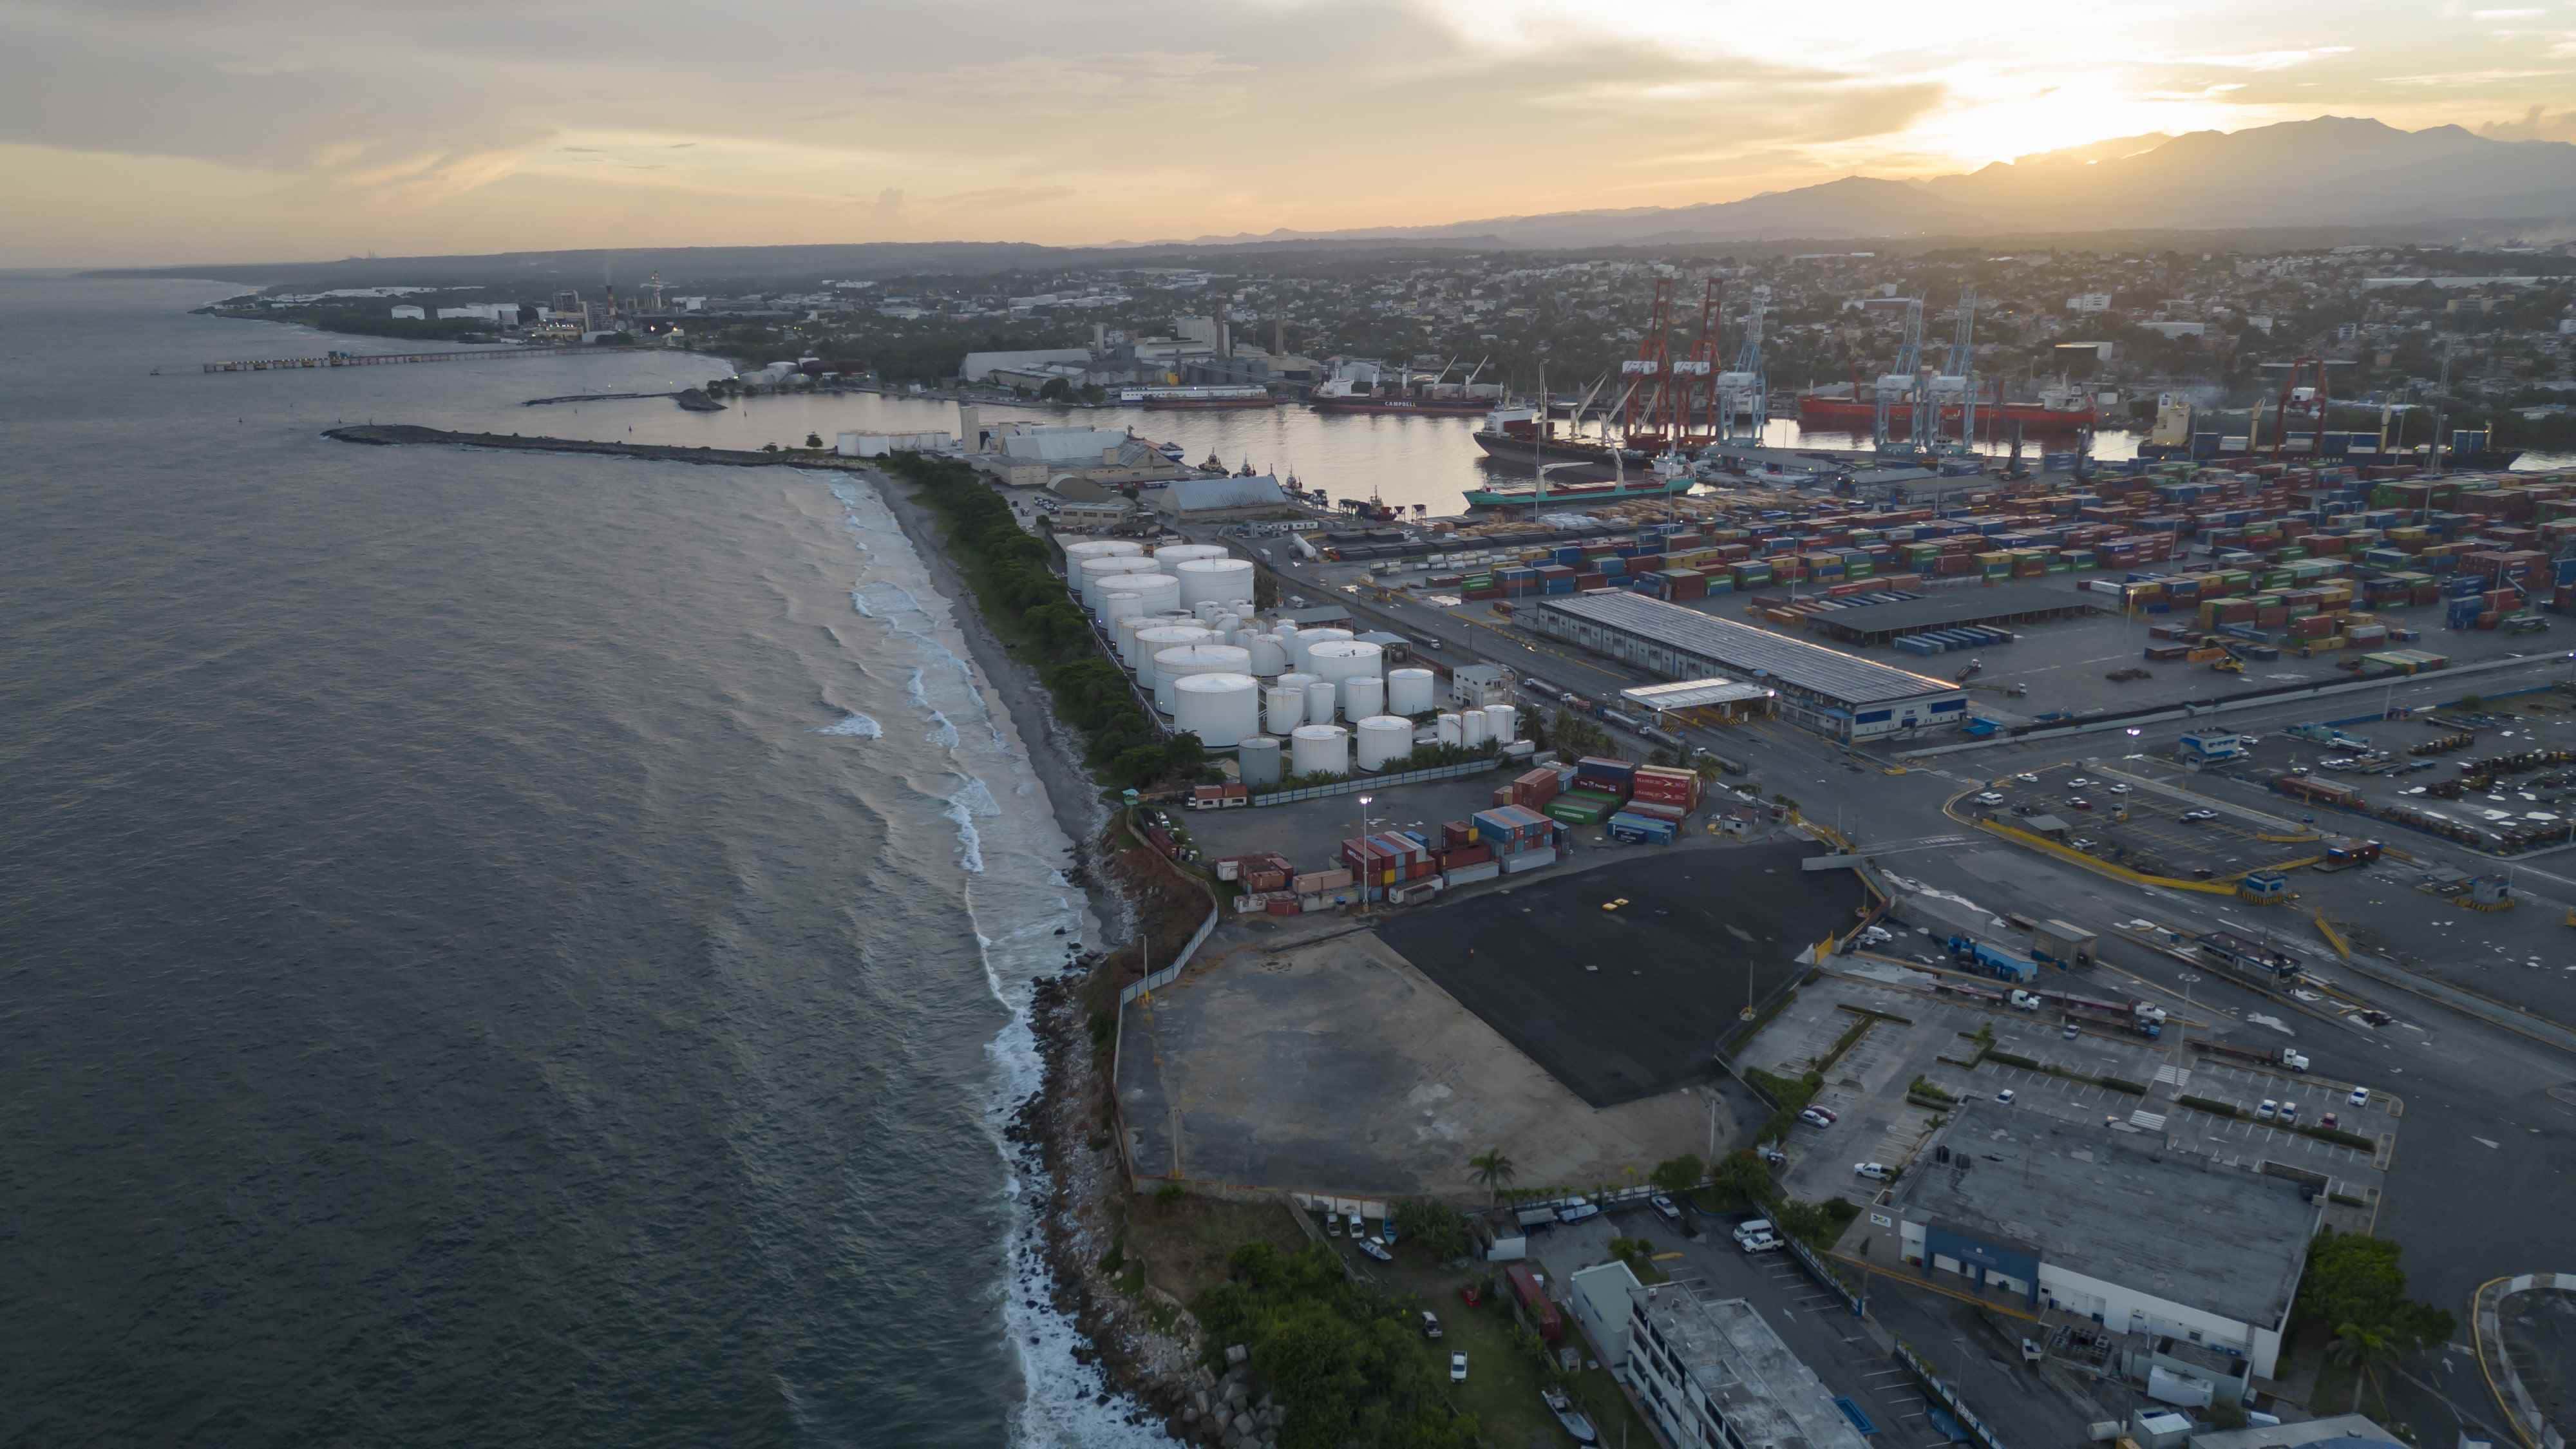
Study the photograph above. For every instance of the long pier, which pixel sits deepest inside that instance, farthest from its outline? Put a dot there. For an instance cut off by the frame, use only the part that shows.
(397, 434)
(384, 359)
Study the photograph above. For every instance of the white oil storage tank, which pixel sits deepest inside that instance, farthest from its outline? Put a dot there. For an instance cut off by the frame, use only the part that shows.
(1320, 750)
(1283, 707)
(1094, 574)
(1181, 553)
(1183, 660)
(1502, 723)
(1363, 695)
(1119, 604)
(1256, 761)
(1153, 641)
(1340, 659)
(1409, 691)
(1214, 580)
(1471, 727)
(1450, 730)
(1160, 591)
(1319, 702)
(1298, 679)
(1383, 740)
(1219, 708)
(1303, 648)
(1075, 553)
(1269, 656)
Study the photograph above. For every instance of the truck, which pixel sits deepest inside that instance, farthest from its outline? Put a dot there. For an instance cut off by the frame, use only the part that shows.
(2288, 1058)
(1540, 687)
(2328, 736)
(2249, 958)
(1994, 960)
(2135, 1017)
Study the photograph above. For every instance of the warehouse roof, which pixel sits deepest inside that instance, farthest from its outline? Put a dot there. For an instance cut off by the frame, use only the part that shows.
(1741, 647)
(2119, 1206)
(1694, 694)
(1200, 495)
(1952, 607)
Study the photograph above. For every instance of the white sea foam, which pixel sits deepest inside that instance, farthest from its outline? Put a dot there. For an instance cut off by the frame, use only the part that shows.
(1018, 898)
(857, 725)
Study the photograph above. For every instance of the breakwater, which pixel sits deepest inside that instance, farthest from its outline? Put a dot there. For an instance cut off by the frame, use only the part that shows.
(398, 434)
(382, 359)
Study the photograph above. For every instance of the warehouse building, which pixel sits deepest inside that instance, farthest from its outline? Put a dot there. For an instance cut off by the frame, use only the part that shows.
(1712, 1372)
(1951, 609)
(2183, 1270)
(1820, 688)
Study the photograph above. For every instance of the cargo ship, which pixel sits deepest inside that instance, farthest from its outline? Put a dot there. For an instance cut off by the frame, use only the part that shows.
(1339, 396)
(2058, 410)
(1511, 435)
(1165, 398)
(1668, 477)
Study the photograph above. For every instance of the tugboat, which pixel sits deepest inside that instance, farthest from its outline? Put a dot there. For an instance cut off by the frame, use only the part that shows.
(1569, 1418)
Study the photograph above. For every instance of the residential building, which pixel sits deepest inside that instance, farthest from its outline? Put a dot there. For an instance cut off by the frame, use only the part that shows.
(1714, 1374)
(2089, 302)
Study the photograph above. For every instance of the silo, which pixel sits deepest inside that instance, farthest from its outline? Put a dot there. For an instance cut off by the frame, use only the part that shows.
(1320, 750)
(1502, 723)
(1075, 553)
(1363, 695)
(1268, 656)
(1471, 727)
(1383, 740)
(1161, 591)
(1256, 761)
(1340, 659)
(1124, 632)
(1283, 707)
(1214, 580)
(1297, 679)
(1153, 641)
(1173, 554)
(1409, 691)
(1302, 647)
(1176, 664)
(1286, 629)
(1227, 622)
(1319, 702)
(1093, 574)
(1219, 708)
(1451, 733)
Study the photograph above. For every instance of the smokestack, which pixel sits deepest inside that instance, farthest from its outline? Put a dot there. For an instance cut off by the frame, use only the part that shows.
(1279, 337)
(1225, 327)
(969, 425)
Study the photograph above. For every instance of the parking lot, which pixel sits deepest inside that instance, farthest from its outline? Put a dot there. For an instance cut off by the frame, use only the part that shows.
(2025, 1405)
(1865, 1089)
(2116, 814)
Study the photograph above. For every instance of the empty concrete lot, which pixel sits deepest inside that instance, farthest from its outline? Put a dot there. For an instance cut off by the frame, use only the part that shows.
(1310, 832)
(1337, 1066)
(1629, 1002)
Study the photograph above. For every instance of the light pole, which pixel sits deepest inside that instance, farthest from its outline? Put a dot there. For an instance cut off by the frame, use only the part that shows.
(1367, 869)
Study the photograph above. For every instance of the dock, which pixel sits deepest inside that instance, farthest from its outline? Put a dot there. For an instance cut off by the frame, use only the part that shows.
(384, 359)
(400, 434)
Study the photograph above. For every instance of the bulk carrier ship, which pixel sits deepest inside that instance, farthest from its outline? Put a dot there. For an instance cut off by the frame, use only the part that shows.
(2058, 410)
(1159, 399)
(1348, 397)
(1517, 435)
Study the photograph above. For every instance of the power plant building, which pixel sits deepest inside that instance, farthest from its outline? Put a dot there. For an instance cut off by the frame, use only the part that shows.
(1823, 689)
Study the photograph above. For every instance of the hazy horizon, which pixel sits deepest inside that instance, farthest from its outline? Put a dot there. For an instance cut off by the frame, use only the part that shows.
(147, 134)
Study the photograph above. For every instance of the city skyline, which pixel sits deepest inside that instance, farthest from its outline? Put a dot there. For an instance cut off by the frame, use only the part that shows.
(247, 131)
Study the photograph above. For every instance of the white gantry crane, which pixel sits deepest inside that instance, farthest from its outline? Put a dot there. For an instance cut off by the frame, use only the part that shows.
(1905, 380)
(1743, 393)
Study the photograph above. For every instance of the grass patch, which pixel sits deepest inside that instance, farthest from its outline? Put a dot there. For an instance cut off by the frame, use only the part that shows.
(1180, 1243)
(2211, 1106)
(2118, 1084)
(1930, 1093)
(2011, 1060)
(2338, 1136)
(2345, 1198)
(1844, 1043)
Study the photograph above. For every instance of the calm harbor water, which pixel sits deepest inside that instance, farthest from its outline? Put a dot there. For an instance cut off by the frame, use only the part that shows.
(499, 949)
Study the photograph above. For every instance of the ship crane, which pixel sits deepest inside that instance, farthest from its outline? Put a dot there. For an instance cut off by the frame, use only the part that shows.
(1649, 373)
(1743, 394)
(1697, 372)
(1904, 380)
(2309, 400)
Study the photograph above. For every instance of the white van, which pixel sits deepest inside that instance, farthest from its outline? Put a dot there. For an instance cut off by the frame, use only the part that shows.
(1758, 1228)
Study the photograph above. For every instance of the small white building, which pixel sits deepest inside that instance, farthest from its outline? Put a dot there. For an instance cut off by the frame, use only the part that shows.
(2089, 302)
(877, 445)
(1478, 685)
(408, 311)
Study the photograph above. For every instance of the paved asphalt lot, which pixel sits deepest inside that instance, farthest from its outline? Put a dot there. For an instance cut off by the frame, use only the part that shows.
(1625, 1003)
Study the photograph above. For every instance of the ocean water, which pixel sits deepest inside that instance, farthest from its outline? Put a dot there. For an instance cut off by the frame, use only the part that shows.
(494, 949)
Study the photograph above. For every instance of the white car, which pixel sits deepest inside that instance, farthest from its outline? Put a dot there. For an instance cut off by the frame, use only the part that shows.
(1332, 1225)
(2269, 1110)
(1359, 1229)
(2194, 817)
(2289, 1112)
(2027, 778)
(2360, 1097)
(1874, 1171)
(1760, 1243)
(1664, 1206)
(1815, 1117)
(2080, 781)
(2005, 1096)
(1458, 1367)
(1990, 797)
(2119, 789)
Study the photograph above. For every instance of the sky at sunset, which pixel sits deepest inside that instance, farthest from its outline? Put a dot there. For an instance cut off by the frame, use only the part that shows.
(149, 131)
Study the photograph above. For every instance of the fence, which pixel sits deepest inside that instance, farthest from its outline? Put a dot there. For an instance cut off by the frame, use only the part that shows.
(1832, 1280)
(1949, 1397)
(1372, 782)
(1165, 977)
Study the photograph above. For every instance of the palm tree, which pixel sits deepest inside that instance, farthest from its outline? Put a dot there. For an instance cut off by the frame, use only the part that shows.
(2364, 1346)
(1493, 1169)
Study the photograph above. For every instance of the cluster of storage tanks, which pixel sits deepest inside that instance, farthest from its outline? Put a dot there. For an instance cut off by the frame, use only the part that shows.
(1181, 617)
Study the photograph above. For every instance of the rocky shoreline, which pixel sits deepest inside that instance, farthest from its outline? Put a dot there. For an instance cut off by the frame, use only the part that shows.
(1064, 1133)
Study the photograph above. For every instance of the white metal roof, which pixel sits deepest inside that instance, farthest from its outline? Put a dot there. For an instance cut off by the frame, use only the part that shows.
(1695, 693)
(1820, 671)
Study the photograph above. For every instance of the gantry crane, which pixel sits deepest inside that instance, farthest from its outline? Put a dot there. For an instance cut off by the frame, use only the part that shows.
(1742, 393)
(1958, 375)
(1902, 381)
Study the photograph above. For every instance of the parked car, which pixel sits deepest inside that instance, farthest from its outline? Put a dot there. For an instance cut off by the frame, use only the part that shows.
(1753, 1227)
(2194, 817)
(2269, 1110)
(2360, 1097)
(2119, 789)
(1772, 1155)
(1874, 1171)
(2027, 778)
(2080, 781)
(1458, 1367)
(1664, 1205)
(1332, 1225)
(2071, 1032)
(1359, 1229)
(1374, 1249)
(2005, 1096)
(1990, 797)
(2078, 802)
(2289, 1112)
(2328, 1122)
(1430, 1324)
(1762, 1243)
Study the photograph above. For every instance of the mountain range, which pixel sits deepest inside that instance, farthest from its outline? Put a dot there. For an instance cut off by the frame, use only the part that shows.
(2330, 171)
